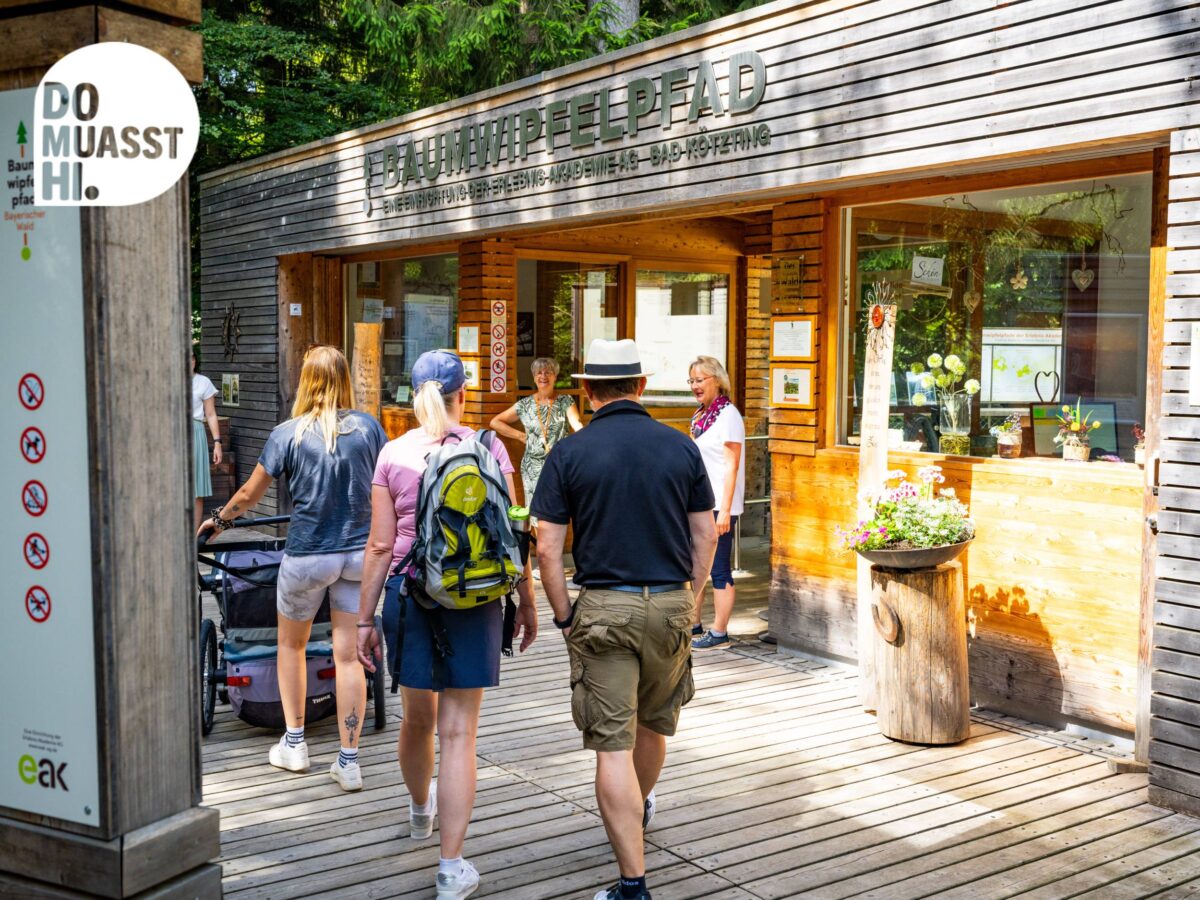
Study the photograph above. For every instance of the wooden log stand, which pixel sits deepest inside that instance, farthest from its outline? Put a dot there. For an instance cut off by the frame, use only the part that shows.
(922, 687)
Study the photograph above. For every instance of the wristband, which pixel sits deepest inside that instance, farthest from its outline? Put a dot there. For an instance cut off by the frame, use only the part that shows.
(565, 623)
(221, 524)
(216, 440)
(364, 624)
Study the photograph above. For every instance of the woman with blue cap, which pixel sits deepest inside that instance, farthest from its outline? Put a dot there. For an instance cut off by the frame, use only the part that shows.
(474, 635)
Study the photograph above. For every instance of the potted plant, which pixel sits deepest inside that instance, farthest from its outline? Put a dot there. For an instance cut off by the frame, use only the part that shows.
(1139, 444)
(1074, 429)
(1008, 437)
(912, 526)
(943, 377)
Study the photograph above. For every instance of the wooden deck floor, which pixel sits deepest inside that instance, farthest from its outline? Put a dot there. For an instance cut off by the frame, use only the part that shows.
(777, 785)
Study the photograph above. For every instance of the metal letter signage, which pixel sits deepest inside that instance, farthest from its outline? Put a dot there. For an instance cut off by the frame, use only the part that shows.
(412, 174)
(48, 755)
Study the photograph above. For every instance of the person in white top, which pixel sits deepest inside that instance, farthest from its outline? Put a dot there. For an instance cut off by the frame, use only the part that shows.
(720, 435)
(204, 409)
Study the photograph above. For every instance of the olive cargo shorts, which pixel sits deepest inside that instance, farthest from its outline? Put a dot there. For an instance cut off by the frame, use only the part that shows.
(631, 663)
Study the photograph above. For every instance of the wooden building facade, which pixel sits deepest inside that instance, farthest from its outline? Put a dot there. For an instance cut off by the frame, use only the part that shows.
(1025, 175)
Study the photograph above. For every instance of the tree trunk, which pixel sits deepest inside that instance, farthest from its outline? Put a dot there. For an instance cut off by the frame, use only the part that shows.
(922, 684)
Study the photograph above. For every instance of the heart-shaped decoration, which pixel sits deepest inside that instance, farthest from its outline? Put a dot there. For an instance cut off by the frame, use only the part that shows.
(1037, 388)
(1083, 278)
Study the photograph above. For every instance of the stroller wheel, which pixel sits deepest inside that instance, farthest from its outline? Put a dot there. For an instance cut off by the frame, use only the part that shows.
(208, 670)
(378, 694)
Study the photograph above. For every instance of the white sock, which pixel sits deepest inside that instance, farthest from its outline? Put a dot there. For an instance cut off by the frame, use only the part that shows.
(295, 736)
(347, 756)
(450, 866)
(422, 809)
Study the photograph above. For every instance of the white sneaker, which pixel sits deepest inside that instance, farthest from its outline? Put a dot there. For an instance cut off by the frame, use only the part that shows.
(456, 887)
(648, 810)
(294, 759)
(349, 777)
(420, 825)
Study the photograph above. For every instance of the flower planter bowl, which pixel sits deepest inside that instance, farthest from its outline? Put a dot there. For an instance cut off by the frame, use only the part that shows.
(1008, 446)
(926, 558)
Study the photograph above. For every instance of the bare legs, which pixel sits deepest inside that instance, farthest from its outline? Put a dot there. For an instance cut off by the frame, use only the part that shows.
(722, 608)
(293, 676)
(623, 780)
(723, 599)
(198, 513)
(456, 714)
(351, 682)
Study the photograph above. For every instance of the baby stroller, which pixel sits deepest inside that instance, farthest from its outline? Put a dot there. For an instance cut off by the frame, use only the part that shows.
(240, 666)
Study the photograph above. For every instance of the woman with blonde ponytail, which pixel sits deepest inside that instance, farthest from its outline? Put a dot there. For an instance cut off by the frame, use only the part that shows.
(472, 662)
(328, 452)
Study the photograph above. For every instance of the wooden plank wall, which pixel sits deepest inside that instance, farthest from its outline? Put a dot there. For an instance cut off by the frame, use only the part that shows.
(915, 84)
(1175, 676)
(754, 338)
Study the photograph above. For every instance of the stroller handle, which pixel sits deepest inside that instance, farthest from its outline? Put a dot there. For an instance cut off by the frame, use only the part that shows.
(202, 540)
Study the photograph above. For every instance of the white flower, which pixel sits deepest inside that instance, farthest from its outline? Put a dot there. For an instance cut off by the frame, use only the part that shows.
(934, 361)
(972, 386)
(927, 381)
(953, 363)
(919, 399)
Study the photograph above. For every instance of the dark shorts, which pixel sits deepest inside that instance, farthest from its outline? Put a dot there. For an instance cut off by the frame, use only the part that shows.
(722, 568)
(474, 636)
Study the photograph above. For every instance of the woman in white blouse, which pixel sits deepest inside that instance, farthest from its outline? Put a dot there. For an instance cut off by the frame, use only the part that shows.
(720, 435)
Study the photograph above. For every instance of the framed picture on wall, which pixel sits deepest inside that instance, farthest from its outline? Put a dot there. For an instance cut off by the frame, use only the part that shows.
(471, 370)
(468, 338)
(793, 386)
(794, 338)
(368, 274)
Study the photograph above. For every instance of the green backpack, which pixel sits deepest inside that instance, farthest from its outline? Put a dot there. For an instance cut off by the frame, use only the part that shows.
(465, 553)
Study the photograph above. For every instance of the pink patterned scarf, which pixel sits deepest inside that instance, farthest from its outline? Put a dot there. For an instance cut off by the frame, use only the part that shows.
(703, 418)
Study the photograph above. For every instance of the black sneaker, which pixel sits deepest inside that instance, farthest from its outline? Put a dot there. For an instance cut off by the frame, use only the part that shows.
(614, 893)
(697, 630)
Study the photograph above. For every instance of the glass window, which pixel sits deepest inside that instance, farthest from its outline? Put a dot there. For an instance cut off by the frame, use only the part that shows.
(413, 306)
(567, 305)
(680, 315)
(1038, 295)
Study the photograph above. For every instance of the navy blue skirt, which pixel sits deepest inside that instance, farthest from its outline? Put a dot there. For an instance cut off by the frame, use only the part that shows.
(474, 636)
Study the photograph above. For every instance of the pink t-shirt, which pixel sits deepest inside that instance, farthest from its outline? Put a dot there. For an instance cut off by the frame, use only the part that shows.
(399, 469)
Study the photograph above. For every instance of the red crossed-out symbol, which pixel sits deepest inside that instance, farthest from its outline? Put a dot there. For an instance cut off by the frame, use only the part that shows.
(498, 384)
(498, 366)
(37, 603)
(498, 308)
(33, 445)
(498, 332)
(498, 348)
(31, 391)
(34, 498)
(37, 551)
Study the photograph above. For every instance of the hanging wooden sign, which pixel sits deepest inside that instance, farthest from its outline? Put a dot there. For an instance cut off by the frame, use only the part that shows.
(787, 282)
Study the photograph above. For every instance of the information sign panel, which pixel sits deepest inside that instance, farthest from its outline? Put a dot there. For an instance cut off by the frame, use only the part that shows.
(48, 745)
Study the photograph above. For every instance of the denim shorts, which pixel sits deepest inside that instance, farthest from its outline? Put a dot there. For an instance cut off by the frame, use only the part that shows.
(303, 581)
(474, 635)
(722, 568)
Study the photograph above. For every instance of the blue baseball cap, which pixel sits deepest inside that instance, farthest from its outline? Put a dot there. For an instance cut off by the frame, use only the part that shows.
(441, 366)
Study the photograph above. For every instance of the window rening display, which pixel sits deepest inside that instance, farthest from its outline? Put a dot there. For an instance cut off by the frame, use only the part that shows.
(1011, 303)
(414, 303)
(679, 316)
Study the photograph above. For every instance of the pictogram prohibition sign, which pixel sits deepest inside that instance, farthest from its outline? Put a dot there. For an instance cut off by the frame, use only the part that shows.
(498, 384)
(37, 551)
(33, 445)
(498, 348)
(34, 498)
(37, 603)
(31, 391)
(498, 308)
(498, 332)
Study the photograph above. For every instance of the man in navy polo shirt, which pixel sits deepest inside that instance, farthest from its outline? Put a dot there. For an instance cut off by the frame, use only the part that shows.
(639, 499)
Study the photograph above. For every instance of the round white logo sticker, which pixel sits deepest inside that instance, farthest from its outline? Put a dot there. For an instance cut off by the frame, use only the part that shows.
(114, 124)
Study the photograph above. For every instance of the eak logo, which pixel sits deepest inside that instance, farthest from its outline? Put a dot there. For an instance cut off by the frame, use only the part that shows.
(43, 772)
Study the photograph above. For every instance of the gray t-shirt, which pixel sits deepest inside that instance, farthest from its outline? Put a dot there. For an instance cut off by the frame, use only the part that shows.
(331, 492)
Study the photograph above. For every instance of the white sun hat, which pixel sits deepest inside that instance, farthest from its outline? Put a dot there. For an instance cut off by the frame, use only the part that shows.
(610, 360)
